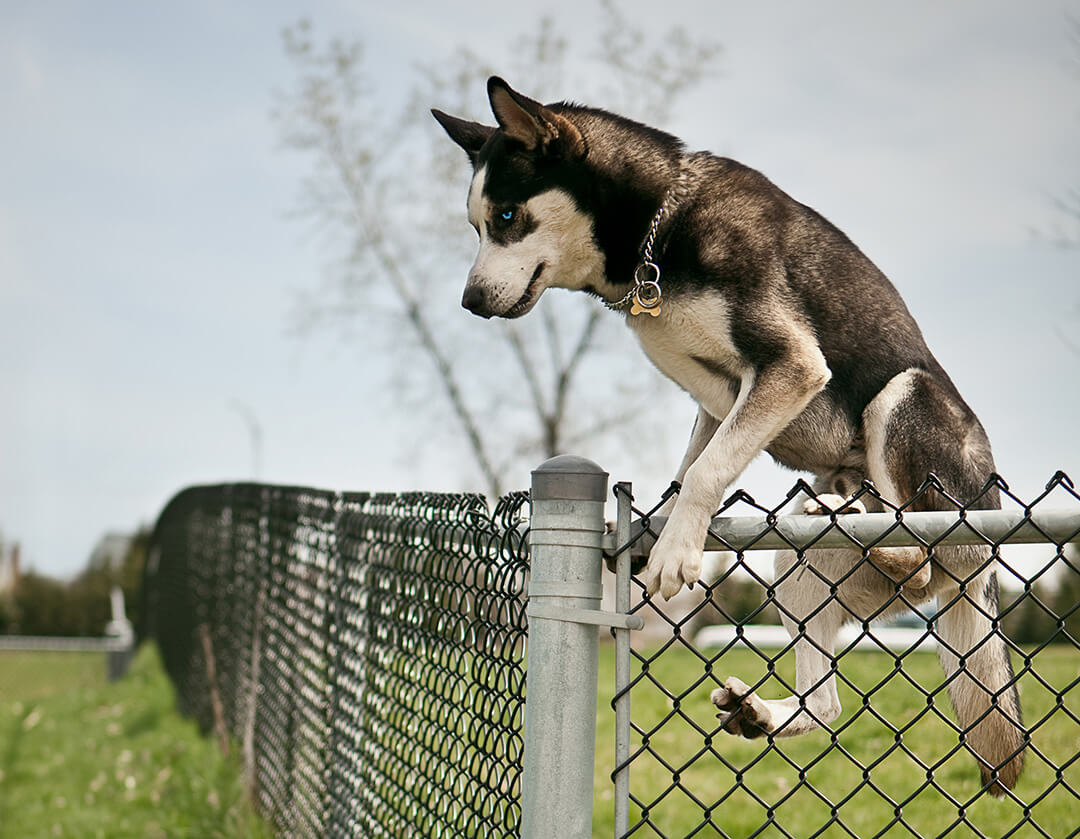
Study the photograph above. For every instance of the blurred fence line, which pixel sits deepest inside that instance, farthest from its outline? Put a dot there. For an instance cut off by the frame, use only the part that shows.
(365, 650)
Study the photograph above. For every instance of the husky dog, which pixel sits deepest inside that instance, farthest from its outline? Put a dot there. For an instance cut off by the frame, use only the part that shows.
(790, 340)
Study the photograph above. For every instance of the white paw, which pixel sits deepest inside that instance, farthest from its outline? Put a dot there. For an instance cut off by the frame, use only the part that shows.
(827, 503)
(674, 561)
(728, 697)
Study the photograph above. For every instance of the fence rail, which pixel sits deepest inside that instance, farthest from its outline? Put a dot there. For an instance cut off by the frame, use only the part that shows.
(367, 654)
(50, 643)
(118, 643)
(885, 530)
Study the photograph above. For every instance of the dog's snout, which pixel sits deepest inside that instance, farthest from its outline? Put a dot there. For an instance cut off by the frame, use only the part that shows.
(475, 301)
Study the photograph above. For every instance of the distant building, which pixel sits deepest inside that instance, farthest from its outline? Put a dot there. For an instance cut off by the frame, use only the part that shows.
(111, 549)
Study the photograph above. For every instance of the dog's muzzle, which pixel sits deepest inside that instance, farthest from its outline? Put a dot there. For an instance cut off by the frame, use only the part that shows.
(476, 300)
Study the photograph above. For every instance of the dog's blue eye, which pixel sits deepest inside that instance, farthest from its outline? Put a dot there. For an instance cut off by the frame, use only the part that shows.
(507, 215)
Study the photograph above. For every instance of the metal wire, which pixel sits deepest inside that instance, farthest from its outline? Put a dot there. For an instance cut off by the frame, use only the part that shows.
(688, 777)
(369, 651)
(369, 662)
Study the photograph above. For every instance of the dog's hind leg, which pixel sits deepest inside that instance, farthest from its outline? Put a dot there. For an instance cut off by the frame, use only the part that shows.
(812, 617)
(917, 425)
(975, 658)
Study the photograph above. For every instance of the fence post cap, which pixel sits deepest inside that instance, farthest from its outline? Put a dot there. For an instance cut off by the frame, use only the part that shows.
(569, 477)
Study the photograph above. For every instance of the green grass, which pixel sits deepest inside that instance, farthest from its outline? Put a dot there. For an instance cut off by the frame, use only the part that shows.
(83, 758)
(710, 765)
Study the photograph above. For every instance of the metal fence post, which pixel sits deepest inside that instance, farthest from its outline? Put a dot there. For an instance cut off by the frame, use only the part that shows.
(566, 531)
(624, 494)
(118, 658)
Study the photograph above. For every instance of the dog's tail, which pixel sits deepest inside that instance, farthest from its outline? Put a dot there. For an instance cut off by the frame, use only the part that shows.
(981, 683)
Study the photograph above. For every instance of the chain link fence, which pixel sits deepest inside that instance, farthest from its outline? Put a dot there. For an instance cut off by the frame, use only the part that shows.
(367, 655)
(365, 651)
(868, 743)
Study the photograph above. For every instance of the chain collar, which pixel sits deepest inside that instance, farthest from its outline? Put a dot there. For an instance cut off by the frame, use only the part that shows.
(645, 295)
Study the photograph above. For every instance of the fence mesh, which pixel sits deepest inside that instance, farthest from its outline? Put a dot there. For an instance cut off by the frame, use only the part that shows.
(366, 651)
(896, 760)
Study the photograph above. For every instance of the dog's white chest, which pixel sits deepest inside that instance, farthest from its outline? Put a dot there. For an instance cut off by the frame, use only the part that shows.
(690, 343)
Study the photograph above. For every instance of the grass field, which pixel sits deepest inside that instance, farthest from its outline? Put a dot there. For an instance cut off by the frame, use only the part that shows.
(81, 758)
(854, 782)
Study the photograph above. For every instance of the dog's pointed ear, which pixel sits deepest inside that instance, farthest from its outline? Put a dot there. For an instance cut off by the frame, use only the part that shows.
(471, 136)
(528, 122)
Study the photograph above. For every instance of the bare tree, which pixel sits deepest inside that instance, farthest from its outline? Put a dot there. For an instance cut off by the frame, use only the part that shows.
(1069, 201)
(389, 189)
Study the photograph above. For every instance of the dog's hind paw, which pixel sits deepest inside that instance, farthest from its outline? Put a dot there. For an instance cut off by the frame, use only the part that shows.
(742, 713)
(909, 566)
(827, 503)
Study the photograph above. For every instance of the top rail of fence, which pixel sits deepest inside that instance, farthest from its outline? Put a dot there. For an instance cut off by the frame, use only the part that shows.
(42, 643)
(970, 527)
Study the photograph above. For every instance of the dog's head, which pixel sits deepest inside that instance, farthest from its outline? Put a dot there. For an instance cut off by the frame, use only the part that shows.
(534, 234)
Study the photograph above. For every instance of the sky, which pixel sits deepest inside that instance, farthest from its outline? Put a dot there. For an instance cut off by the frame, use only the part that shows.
(150, 257)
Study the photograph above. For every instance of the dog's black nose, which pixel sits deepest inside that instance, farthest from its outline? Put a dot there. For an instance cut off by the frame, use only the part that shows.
(475, 301)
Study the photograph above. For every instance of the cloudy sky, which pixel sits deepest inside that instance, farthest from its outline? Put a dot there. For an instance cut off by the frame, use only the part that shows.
(149, 263)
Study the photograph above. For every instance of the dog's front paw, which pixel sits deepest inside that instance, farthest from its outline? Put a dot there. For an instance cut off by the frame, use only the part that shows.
(741, 712)
(674, 561)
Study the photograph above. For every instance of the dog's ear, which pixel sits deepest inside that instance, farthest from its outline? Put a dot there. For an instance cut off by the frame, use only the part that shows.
(528, 122)
(471, 136)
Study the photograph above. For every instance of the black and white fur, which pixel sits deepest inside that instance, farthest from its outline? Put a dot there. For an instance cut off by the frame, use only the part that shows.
(791, 341)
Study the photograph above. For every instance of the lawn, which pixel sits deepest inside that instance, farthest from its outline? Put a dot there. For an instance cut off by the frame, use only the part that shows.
(808, 787)
(83, 758)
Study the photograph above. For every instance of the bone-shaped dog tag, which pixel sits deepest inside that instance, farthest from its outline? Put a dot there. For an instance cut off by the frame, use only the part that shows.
(636, 309)
(647, 299)
(647, 295)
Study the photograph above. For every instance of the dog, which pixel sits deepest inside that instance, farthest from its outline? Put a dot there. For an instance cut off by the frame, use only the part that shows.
(791, 341)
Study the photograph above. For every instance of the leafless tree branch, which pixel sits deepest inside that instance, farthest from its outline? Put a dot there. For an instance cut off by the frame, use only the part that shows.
(365, 165)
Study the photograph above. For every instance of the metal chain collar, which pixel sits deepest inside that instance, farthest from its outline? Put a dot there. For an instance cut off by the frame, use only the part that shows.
(646, 295)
